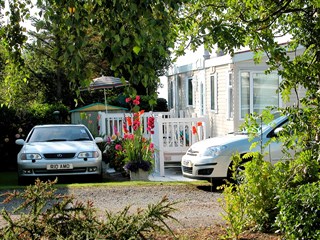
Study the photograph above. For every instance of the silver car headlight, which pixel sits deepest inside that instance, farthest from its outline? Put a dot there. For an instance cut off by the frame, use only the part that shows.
(213, 151)
(93, 154)
(30, 156)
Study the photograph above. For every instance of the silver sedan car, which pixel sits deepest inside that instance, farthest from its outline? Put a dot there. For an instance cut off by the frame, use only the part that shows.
(59, 150)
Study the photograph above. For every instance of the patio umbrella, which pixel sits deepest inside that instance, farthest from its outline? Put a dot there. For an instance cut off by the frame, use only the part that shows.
(106, 82)
(97, 107)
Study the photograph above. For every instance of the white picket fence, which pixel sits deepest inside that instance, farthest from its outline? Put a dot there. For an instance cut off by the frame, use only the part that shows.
(172, 136)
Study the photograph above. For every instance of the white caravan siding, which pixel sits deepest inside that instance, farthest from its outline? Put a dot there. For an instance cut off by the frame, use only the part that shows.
(200, 72)
(219, 122)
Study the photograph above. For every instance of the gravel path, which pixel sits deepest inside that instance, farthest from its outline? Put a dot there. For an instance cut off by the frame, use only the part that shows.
(197, 206)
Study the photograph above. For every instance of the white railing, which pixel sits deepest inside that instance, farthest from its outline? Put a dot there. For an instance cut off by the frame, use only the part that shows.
(112, 123)
(175, 135)
(171, 135)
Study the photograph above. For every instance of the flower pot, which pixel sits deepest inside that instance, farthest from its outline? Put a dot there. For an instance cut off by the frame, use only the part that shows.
(139, 176)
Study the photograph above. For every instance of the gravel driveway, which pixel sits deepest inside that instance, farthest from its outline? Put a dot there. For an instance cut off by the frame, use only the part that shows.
(197, 206)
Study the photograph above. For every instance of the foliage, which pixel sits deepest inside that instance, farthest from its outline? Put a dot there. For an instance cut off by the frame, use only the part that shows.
(261, 192)
(162, 105)
(47, 215)
(253, 125)
(12, 34)
(81, 40)
(285, 32)
(124, 225)
(15, 87)
(65, 219)
(112, 155)
(259, 186)
(250, 200)
(137, 149)
(44, 113)
(299, 212)
(233, 203)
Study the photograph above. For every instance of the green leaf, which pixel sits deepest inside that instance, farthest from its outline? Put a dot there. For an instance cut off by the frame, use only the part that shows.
(136, 49)
(125, 41)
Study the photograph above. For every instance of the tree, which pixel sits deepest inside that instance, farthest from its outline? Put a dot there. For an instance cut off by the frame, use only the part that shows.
(132, 39)
(259, 24)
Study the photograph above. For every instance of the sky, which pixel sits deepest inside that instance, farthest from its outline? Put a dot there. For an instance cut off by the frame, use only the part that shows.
(163, 92)
(188, 58)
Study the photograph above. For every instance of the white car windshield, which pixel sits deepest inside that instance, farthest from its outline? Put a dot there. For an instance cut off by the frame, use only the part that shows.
(59, 133)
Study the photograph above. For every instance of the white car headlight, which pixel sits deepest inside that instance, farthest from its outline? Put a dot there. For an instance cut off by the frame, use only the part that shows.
(213, 151)
(30, 156)
(94, 154)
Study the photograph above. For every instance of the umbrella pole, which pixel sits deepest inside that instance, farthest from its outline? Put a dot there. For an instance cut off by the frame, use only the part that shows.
(105, 100)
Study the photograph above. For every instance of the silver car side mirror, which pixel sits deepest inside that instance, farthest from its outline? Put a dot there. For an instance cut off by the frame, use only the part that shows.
(98, 139)
(20, 142)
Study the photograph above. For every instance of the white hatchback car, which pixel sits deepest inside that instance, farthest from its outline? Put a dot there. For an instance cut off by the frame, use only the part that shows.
(211, 158)
(57, 150)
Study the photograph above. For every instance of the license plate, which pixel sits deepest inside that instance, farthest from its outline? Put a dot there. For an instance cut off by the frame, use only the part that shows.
(59, 166)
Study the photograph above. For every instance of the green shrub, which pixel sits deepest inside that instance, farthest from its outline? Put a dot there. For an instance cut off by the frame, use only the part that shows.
(65, 219)
(123, 226)
(260, 198)
(260, 188)
(234, 214)
(299, 212)
(161, 106)
(43, 214)
(283, 196)
(43, 113)
(250, 200)
(233, 203)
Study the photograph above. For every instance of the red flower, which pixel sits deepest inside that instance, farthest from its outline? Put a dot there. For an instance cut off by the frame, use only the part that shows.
(194, 130)
(136, 102)
(128, 136)
(141, 112)
(151, 147)
(125, 129)
(150, 126)
(118, 147)
(129, 121)
(128, 100)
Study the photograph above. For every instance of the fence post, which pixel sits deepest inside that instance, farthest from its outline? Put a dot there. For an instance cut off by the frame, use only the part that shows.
(102, 123)
(207, 127)
(158, 141)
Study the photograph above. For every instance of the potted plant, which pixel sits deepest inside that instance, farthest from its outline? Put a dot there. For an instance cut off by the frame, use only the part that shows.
(112, 154)
(137, 148)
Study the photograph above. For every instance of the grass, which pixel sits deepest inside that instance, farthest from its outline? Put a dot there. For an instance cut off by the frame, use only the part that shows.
(9, 180)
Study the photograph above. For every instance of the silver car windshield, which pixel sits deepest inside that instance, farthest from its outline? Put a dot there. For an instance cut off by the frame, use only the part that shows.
(59, 133)
(264, 127)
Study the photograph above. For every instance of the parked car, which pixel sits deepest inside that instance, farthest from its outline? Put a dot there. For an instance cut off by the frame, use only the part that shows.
(59, 150)
(211, 158)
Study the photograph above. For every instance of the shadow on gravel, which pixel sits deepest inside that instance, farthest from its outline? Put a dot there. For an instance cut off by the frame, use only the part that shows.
(89, 179)
(213, 187)
(209, 188)
(10, 179)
